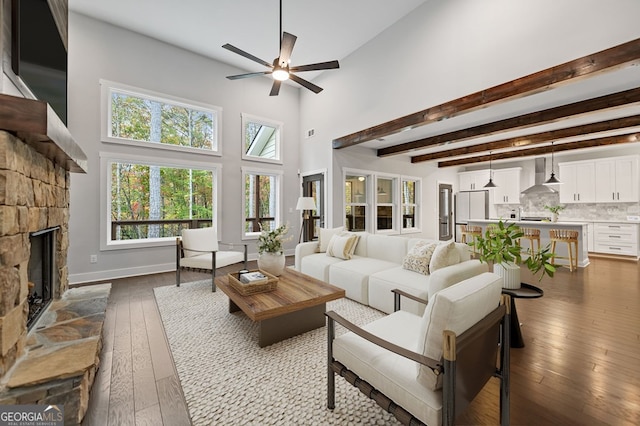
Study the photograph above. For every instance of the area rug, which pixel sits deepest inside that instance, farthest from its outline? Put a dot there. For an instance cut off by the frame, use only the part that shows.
(228, 379)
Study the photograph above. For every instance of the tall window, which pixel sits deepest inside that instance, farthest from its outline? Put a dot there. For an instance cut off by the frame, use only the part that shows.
(262, 139)
(355, 192)
(140, 117)
(262, 210)
(386, 210)
(151, 200)
(410, 189)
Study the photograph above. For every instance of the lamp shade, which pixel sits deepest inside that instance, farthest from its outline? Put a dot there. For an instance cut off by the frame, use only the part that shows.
(306, 203)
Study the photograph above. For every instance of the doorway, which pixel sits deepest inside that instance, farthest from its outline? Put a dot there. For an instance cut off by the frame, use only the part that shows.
(445, 211)
(313, 186)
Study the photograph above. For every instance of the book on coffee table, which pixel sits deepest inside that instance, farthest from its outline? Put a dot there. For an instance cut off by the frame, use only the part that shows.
(253, 278)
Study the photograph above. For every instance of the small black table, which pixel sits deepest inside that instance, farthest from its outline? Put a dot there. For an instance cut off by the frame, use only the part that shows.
(526, 291)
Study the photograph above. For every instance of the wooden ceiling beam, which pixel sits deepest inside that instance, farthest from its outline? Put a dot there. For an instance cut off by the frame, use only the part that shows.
(604, 61)
(591, 143)
(546, 116)
(534, 139)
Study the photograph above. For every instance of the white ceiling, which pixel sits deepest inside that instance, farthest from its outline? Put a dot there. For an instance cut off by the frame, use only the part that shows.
(326, 30)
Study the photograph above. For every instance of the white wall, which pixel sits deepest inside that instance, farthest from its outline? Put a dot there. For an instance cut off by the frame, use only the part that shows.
(443, 50)
(102, 51)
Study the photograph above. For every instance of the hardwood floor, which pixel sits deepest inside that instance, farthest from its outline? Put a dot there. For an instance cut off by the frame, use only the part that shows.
(580, 365)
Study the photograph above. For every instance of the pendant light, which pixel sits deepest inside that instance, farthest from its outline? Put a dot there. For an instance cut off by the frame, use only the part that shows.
(553, 180)
(490, 184)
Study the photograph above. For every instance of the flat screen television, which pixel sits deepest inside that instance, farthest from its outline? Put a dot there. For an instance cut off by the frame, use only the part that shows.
(38, 54)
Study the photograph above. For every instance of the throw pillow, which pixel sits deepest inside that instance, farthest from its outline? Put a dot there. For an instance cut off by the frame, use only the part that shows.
(419, 257)
(342, 245)
(325, 236)
(444, 255)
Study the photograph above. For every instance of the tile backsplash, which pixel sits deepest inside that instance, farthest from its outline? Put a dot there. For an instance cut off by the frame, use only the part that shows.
(533, 205)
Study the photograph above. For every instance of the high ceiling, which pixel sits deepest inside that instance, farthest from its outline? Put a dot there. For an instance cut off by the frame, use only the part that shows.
(332, 29)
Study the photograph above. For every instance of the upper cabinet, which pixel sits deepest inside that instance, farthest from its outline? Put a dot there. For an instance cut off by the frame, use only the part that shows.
(578, 182)
(473, 181)
(617, 180)
(507, 190)
(610, 180)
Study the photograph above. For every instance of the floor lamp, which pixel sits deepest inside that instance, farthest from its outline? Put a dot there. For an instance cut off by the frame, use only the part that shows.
(306, 204)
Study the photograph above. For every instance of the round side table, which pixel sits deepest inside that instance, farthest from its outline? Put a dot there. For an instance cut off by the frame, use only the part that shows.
(526, 291)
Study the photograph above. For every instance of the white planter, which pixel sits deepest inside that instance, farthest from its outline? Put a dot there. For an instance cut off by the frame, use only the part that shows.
(554, 217)
(510, 273)
(272, 263)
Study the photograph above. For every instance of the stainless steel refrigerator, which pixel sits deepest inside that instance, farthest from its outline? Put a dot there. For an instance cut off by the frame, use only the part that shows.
(470, 205)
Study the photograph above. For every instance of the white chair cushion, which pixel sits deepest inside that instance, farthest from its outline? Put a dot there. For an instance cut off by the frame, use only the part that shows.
(317, 265)
(203, 261)
(454, 308)
(202, 239)
(392, 374)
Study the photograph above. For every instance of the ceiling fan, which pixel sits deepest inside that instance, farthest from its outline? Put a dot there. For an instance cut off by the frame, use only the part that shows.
(280, 69)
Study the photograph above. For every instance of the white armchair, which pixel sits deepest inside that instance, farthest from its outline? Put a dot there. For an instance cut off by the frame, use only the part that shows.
(427, 369)
(198, 249)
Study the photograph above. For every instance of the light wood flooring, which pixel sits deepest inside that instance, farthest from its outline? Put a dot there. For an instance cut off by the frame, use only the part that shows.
(580, 365)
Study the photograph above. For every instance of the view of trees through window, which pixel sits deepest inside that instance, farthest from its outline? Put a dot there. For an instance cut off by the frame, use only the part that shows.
(260, 202)
(142, 119)
(149, 201)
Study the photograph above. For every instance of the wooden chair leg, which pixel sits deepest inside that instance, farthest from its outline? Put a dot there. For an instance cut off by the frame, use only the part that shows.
(570, 246)
(553, 251)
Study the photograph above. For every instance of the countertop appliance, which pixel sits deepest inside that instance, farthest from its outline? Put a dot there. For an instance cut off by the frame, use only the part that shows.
(470, 205)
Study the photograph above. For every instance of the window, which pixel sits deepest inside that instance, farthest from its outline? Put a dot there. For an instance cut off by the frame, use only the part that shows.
(386, 207)
(140, 117)
(149, 201)
(355, 192)
(410, 205)
(262, 139)
(262, 209)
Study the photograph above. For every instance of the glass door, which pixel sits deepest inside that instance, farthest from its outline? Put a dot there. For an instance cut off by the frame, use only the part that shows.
(313, 186)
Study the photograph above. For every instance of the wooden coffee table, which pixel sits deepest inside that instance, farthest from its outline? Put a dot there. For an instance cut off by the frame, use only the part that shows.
(296, 306)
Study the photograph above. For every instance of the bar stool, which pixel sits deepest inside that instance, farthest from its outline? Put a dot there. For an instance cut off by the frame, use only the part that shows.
(564, 236)
(533, 235)
(473, 231)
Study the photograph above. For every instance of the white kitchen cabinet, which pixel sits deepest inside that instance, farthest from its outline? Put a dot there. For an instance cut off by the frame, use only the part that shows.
(507, 190)
(473, 181)
(617, 180)
(616, 238)
(578, 182)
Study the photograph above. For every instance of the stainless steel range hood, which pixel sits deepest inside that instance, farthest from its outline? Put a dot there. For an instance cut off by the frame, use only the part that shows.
(539, 188)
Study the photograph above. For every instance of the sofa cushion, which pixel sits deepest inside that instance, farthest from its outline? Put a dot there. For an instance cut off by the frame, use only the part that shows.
(445, 254)
(353, 276)
(390, 373)
(454, 308)
(342, 245)
(381, 283)
(419, 257)
(324, 236)
(317, 265)
(385, 247)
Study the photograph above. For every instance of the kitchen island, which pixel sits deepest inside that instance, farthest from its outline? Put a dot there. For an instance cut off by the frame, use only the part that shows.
(544, 227)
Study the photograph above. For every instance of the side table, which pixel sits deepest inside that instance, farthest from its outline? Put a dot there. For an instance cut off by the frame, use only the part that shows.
(526, 291)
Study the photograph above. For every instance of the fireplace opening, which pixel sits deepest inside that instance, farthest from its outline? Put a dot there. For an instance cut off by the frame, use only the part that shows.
(41, 272)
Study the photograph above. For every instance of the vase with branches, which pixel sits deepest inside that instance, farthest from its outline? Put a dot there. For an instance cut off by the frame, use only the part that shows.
(270, 251)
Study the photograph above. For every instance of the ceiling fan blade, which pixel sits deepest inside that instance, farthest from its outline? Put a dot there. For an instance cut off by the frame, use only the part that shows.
(246, 55)
(305, 83)
(275, 89)
(247, 75)
(286, 47)
(315, 67)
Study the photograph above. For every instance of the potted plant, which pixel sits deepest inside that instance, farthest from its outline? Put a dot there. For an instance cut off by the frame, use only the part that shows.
(500, 246)
(270, 253)
(555, 211)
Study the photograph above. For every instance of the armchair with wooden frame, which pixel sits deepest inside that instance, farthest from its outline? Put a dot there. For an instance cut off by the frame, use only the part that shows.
(198, 249)
(426, 370)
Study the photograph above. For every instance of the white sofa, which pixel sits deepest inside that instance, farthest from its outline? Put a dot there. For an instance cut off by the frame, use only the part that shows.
(376, 268)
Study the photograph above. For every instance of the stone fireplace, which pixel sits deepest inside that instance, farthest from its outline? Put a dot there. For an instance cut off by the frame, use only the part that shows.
(55, 362)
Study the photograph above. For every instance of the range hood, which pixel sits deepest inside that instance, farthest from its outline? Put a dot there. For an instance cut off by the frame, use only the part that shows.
(539, 188)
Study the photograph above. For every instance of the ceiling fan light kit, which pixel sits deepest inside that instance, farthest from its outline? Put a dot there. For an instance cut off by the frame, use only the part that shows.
(280, 70)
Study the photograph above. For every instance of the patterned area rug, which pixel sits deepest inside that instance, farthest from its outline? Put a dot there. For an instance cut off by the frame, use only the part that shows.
(228, 379)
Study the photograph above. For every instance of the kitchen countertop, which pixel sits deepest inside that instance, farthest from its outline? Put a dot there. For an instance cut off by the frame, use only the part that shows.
(531, 222)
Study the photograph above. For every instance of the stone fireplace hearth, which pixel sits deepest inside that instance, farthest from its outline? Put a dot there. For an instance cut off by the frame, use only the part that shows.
(55, 363)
